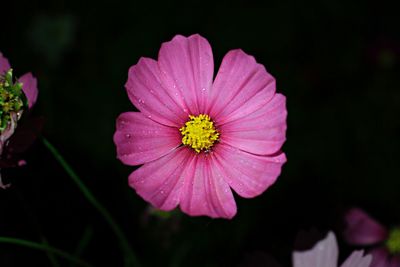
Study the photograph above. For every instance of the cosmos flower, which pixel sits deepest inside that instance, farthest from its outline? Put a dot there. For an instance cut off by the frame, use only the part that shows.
(200, 138)
(15, 99)
(362, 230)
(325, 254)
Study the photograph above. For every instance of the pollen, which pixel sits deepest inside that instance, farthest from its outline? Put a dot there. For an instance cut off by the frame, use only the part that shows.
(393, 242)
(199, 133)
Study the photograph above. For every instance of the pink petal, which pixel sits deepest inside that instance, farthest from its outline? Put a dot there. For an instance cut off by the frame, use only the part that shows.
(395, 261)
(248, 174)
(150, 97)
(4, 64)
(361, 229)
(187, 68)
(323, 254)
(205, 191)
(160, 182)
(241, 87)
(357, 259)
(29, 86)
(261, 132)
(139, 139)
(382, 258)
(25, 134)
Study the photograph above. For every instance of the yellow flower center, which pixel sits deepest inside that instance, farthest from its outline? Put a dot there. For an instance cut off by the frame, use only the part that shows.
(393, 242)
(199, 133)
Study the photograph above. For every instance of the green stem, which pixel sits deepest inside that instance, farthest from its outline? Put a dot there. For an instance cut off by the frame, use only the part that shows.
(51, 256)
(90, 197)
(43, 247)
(83, 242)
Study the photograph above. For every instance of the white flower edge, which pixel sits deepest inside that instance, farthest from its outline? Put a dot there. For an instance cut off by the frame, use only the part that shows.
(325, 253)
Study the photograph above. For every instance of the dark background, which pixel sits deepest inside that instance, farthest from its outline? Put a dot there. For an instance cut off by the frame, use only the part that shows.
(338, 65)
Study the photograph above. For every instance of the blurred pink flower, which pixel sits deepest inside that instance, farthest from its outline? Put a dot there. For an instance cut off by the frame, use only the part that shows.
(325, 254)
(363, 230)
(13, 139)
(196, 137)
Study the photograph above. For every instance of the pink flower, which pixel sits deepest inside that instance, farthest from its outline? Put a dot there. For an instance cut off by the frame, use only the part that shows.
(200, 138)
(29, 82)
(363, 230)
(325, 254)
(14, 103)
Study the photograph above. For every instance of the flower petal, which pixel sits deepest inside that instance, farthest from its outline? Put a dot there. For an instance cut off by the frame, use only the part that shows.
(4, 64)
(160, 182)
(357, 259)
(382, 258)
(261, 132)
(150, 97)
(25, 134)
(361, 229)
(29, 86)
(248, 174)
(324, 253)
(187, 67)
(140, 140)
(241, 87)
(206, 192)
(186, 178)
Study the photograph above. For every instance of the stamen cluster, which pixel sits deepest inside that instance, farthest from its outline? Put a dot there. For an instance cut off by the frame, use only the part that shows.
(199, 133)
(12, 99)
